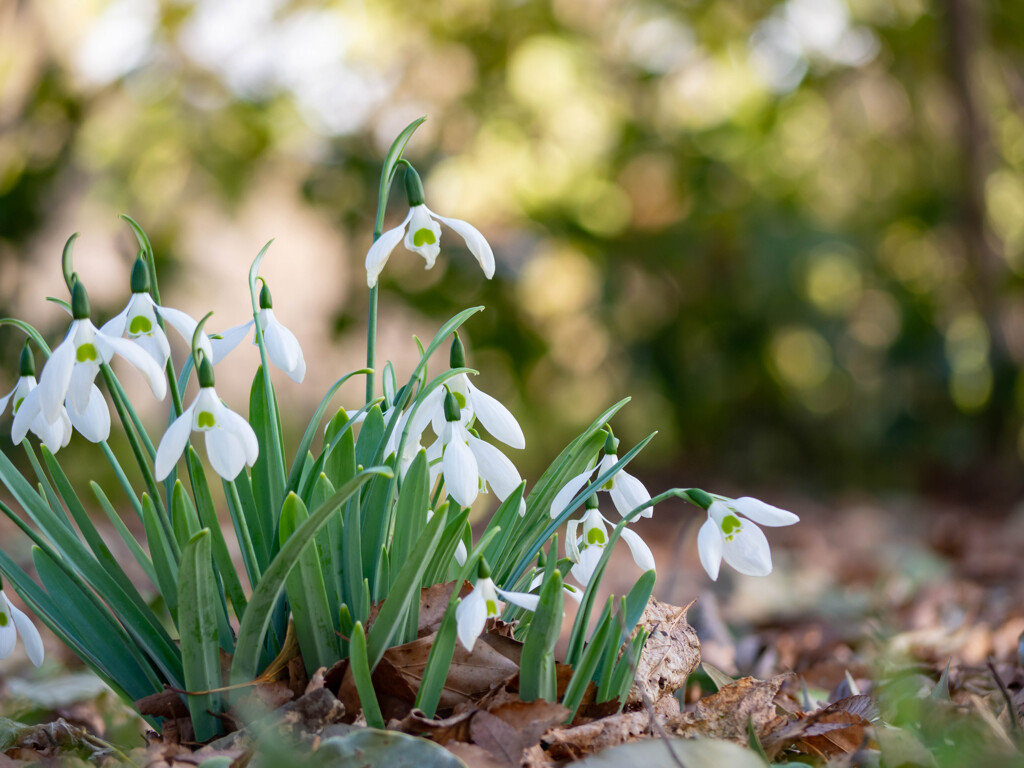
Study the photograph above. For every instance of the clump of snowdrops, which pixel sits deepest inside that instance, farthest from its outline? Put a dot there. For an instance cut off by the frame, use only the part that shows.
(369, 510)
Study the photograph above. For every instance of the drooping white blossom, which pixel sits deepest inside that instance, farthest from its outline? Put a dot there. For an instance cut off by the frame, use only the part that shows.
(731, 533)
(585, 551)
(138, 321)
(627, 493)
(14, 622)
(25, 396)
(484, 603)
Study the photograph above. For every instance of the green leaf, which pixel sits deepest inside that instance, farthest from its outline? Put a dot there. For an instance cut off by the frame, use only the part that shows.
(444, 554)
(340, 466)
(184, 519)
(352, 562)
(537, 668)
(242, 535)
(122, 530)
(358, 660)
(670, 753)
(200, 647)
(164, 561)
(718, 677)
(260, 420)
(405, 589)
(307, 595)
(29, 330)
(605, 636)
(371, 748)
(328, 543)
(264, 597)
(370, 433)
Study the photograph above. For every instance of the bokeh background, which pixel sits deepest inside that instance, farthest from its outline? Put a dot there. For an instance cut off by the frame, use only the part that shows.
(792, 231)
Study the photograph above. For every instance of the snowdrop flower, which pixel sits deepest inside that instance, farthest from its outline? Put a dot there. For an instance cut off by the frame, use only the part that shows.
(421, 230)
(468, 463)
(14, 622)
(730, 532)
(54, 436)
(67, 378)
(483, 603)
(538, 580)
(282, 347)
(230, 441)
(586, 550)
(626, 491)
(139, 320)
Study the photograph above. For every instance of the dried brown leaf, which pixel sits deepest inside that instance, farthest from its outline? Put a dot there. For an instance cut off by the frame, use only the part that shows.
(443, 730)
(473, 756)
(497, 737)
(725, 714)
(670, 655)
(574, 742)
(837, 729)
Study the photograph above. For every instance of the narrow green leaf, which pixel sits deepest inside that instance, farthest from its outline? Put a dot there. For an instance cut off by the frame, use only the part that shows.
(405, 589)
(264, 597)
(605, 636)
(360, 666)
(122, 530)
(352, 562)
(164, 561)
(411, 508)
(370, 433)
(328, 543)
(184, 519)
(307, 595)
(537, 667)
(242, 535)
(340, 466)
(200, 647)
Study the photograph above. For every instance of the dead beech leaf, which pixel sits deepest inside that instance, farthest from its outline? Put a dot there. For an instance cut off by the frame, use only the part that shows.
(443, 731)
(834, 730)
(670, 655)
(573, 742)
(724, 715)
(497, 737)
(530, 719)
(472, 755)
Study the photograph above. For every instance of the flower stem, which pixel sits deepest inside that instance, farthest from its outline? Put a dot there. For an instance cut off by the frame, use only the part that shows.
(371, 340)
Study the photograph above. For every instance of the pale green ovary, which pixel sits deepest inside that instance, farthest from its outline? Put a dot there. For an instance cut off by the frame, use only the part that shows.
(3, 619)
(423, 237)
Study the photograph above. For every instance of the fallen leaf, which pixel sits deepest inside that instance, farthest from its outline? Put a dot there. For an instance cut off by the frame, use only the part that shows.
(670, 655)
(576, 741)
(442, 731)
(497, 737)
(725, 714)
(472, 755)
(837, 729)
(654, 753)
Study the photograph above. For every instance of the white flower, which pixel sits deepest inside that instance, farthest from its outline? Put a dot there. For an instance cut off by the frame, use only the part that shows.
(26, 402)
(139, 321)
(469, 465)
(730, 532)
(626, 491)
(586, 550)
(67, 378)
(473, 402)
(570, 591)
(482, 604)
(422, 234)
(14, 622)
(230, 441)
(282, 347)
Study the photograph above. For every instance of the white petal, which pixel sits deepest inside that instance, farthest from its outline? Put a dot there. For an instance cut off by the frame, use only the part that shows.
(583, 571)
(461, 476)
(762, 513)
(496, 418)
(226, 453)
(381, 249)
(243, 432)
(709, 547)
(495, 467)
(156, 346)
(568, 492)
(137, 357)
(228, 340)
(460, 553)
(419, 220)
(56, 378)
(748, 551)
(628, 493)
(29, 410)
(423, 414)
(5, 399)
(642, 555)
(475, 241)
(92, 421)
(523, 600)
(283, 348)
(54, 436)
(8, 633)
(115, 325)
(80, 389)
(572, 543)
(184, 324)
(470, 618)
(172, 444)
(29, 634)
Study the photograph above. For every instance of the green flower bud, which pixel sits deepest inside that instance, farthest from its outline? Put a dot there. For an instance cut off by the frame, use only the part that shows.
(592, 501)
(80, 309)
(611, 445)
(266, 301)
(542, 559)
(205, 372)
(483, 570)
(452, 412)
(701, 498)
(140, 275)
(413, 187)
(27, 364)
(457, 357)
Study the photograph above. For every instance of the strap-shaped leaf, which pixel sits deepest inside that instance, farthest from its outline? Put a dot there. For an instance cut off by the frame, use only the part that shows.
(122, 530)
(604, 636)
(264, 597)
(164, 560)
(200, 647)
(537, 667)
(360, 665)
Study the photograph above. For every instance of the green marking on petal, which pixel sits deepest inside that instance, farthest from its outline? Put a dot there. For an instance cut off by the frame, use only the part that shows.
(730, 525)
(461, 398)
(140, 325)
(423, 237)
(205, 419)
(596, 536)
(492, 608)
(3, 619)
(85, 353)
(17, 405)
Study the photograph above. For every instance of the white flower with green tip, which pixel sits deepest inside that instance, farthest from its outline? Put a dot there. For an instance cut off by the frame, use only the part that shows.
(68, 376)
(230, 442)
(25, 397)
(585, 551)
(731, 533)
(421, 231)
(283, 348)
(627, 493)
(484, 603)
(139, 320)
(14, 622)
